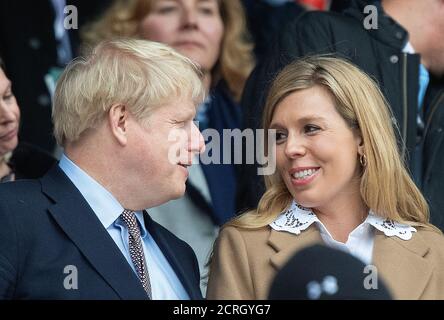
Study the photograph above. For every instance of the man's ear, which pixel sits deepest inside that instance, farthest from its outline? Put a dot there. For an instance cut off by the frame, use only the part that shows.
(118, 122)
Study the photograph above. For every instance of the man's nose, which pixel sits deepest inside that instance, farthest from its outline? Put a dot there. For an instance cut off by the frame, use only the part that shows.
(197, 142)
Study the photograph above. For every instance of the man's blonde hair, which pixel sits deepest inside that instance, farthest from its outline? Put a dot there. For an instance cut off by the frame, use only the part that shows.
(140, 74)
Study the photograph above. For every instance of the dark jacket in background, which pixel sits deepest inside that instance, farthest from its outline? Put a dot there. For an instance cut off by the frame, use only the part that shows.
(265, 21)
(29, 49)
(30, 162)
(379, 53)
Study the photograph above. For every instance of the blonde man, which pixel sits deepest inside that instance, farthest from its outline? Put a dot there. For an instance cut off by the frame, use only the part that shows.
(124, 117)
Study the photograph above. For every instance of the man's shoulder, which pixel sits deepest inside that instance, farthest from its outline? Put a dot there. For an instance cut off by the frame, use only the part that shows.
(21, 198)
(19, 188)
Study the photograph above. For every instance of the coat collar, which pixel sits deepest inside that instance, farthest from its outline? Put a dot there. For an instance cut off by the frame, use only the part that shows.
(297, 218)
(389, 31)
(286, 244)
(74, 216)
(402, 264)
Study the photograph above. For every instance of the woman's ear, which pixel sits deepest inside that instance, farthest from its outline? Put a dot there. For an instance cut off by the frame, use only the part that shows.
(118, 122)
(360, 143)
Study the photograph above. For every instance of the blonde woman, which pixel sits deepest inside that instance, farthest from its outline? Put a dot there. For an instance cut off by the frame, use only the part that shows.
(213, 34)
(339, 181)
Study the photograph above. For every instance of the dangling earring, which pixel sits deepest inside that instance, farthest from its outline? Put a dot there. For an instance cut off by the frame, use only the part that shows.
(363, 160)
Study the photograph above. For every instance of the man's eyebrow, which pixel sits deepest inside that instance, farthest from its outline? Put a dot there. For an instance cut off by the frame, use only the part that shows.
(186, 114)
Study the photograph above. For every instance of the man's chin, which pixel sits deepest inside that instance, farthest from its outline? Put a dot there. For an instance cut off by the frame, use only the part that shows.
(179, 194)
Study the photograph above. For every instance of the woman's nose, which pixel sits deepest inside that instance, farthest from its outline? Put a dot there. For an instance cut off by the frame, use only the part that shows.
(189, 18)
(6, 114)
(294, 147)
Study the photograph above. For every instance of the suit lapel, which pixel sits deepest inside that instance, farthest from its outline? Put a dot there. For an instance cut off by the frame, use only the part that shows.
(173, 256)
(79, 222)
(286, 244)
(402, 264)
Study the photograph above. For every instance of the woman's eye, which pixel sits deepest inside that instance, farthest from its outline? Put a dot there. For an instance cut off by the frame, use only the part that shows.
(310, 129)
(8, 96)
(166, 9)
(280, 136)
(207, 10)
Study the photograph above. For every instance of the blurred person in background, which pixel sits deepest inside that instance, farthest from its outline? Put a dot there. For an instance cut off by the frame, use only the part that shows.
(37, 40)
(17, 161)
(319, 272)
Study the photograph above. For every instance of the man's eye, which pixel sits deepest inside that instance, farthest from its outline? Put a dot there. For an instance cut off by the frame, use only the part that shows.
(180, 123)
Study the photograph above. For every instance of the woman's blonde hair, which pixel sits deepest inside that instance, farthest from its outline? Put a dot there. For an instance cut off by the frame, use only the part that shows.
(235, 62)
(386, 186)
(140, 74)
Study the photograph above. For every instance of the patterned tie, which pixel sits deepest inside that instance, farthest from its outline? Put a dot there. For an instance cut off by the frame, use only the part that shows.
(136, 249)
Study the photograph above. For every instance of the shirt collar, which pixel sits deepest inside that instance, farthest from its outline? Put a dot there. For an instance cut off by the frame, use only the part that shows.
(101, 201)
(408, 48)
(297, 218)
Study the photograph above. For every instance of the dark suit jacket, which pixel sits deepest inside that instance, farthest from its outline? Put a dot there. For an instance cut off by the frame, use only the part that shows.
(47, 225)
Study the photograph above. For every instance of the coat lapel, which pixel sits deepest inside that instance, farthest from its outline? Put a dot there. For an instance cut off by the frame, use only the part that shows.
(173, 256)
(402, 264)
(79, 222)
(286, 244)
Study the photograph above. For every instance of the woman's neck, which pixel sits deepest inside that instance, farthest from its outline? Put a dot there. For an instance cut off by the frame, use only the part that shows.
(4, 168)
(341, 220)
(207, 82)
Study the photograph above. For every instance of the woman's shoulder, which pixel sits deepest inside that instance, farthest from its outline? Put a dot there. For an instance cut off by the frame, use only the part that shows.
(431, 236)
(247, 236)
(433, 239)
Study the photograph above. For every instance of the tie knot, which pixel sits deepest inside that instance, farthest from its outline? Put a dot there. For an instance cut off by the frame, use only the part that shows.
(129, 218)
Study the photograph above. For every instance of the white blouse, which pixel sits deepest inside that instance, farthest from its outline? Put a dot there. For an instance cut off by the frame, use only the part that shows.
(360, 241)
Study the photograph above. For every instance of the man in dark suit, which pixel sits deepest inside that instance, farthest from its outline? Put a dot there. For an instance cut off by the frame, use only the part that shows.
(124, 115)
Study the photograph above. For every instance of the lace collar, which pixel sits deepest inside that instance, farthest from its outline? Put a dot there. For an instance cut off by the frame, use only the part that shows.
(297, 218)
